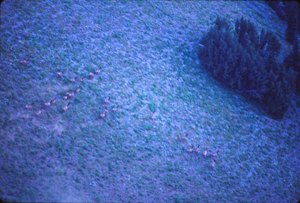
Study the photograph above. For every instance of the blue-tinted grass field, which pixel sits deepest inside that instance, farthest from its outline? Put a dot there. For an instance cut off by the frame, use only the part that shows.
(107, 101)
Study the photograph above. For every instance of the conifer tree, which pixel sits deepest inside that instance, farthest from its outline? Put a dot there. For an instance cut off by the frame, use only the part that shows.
(292, 12)
(246, 61)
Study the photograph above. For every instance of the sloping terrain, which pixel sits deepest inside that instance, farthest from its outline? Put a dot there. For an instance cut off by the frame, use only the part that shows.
(127, 133)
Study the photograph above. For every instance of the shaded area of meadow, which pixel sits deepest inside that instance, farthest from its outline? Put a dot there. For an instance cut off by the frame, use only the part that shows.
(157, 100)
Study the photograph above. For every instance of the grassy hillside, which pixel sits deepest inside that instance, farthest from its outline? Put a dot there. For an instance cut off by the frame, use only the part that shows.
(127, 133)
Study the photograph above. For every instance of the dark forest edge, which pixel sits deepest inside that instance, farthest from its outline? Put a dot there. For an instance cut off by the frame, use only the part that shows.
(289, 11)
(246, 60)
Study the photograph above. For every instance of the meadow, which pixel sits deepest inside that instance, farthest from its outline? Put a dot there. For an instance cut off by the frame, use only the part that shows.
(107, 101)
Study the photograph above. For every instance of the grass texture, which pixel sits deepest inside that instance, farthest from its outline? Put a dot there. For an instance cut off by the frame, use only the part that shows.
(131, 133)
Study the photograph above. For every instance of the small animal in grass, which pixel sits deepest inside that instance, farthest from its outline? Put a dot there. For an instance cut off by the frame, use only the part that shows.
(213, 164)
(60, 74)
(190, 149)
(66, 107)
(204, 153)
(47, 104)
(196, 150)
(24, 62)
(91, 75)
(39, 112)
(72, 80)
(103, 115)
(70, 94)
(97, 71)
(28, 106)
(53, 101)
(106, 101)
(77, 90)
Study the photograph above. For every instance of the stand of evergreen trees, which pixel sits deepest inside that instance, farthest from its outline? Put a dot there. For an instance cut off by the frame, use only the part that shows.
(245, 60)
(292, 62)
(290, 12)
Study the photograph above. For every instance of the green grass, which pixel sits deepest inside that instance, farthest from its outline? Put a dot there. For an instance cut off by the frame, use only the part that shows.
(150, 74)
